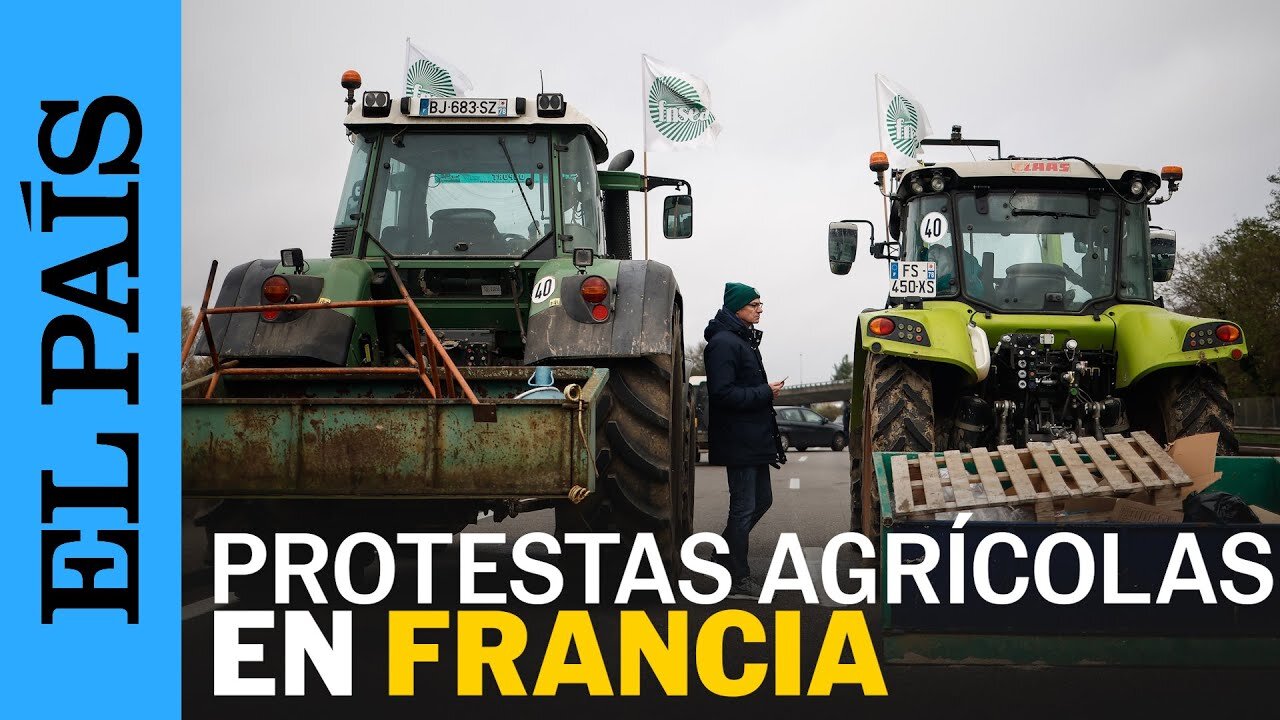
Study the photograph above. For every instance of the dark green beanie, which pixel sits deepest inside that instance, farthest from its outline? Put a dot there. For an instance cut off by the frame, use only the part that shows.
(737, 295)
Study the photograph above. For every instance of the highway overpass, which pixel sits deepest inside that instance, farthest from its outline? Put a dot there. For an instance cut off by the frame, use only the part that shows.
(815, 393)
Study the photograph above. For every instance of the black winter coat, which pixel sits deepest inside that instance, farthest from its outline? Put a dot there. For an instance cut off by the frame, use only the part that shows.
(744, 430)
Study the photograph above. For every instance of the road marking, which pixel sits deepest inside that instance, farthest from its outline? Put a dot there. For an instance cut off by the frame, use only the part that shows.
(813, 558)
(795, 483)
(803, 458)
(200, 607)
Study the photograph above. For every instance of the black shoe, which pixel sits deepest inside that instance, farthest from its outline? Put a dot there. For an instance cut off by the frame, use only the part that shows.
(744, 588)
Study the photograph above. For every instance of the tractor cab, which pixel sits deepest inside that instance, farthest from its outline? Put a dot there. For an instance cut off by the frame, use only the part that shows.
(1029, 236)
(463, 179)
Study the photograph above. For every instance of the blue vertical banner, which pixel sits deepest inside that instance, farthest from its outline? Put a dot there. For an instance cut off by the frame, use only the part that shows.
(89, 523)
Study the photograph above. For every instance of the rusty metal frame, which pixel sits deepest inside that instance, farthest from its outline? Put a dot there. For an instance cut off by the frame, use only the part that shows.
(429, 356)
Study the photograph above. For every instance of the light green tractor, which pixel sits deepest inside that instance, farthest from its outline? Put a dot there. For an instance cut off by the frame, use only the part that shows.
(1022, 309)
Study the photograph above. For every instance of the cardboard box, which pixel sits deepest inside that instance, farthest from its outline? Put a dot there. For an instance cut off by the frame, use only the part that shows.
(1265, 516)
(1128, 511)
(1196, 455)
(1136, 508)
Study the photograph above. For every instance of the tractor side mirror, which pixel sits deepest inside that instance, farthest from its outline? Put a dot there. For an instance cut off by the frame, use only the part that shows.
(677, 216)
(1164, 251)
(895, 221)
(842, 246)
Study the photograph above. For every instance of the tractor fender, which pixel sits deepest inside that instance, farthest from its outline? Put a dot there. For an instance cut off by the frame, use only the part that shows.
(1151, 338)
(315, 336)
(855, 381)
(945, 337)
(645, 294)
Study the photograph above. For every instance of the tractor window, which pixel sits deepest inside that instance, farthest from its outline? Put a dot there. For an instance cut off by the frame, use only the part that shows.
(1135, 255)
(580, 195)
(1036, 251)
(928, 240)
(353, 186)
(455, 195)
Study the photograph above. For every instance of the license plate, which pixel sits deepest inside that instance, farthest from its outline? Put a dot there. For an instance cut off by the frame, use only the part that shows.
(913, 279)
(462, 107)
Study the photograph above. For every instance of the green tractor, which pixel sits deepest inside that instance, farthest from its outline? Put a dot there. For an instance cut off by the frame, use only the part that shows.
(1022, 309)
(480, 340)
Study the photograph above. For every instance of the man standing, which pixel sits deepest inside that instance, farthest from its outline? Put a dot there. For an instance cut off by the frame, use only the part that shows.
(744, 431)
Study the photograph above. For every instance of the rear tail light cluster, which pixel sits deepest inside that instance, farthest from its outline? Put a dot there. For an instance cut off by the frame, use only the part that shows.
(275, 290)
(595, 291)
(1211, 335)
(899, 329)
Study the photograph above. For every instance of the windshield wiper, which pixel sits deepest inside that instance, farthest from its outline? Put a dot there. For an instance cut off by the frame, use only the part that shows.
(1051, 213)
(502, 143)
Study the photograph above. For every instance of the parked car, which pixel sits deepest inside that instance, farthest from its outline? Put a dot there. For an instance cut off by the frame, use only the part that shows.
(802, 428)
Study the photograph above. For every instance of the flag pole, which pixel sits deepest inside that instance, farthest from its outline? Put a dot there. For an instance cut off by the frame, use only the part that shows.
(884, 199)
(646, 204)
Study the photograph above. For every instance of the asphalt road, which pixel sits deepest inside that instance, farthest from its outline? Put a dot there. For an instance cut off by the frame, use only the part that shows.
(810, 499)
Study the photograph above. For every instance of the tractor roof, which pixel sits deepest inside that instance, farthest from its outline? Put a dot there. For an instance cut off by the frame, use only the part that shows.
(572, 119)
(1031, 167)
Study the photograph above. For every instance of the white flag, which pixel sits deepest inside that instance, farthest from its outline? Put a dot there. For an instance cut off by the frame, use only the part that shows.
(430, 75)
(902, 122)
(677, 108)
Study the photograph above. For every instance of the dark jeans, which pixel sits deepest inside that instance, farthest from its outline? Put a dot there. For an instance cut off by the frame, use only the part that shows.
(750, 496)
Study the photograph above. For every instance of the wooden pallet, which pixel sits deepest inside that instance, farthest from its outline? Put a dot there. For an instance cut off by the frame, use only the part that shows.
(1117, 466)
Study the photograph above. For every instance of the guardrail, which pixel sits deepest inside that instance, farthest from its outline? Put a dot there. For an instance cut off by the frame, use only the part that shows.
(1258, 430)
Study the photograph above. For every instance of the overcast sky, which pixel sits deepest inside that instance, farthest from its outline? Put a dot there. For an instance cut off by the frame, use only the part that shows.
(1148, 84)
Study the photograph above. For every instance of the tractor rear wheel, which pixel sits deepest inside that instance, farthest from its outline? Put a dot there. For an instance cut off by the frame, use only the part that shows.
(897, 417)
(1195, 401)
(646, 447)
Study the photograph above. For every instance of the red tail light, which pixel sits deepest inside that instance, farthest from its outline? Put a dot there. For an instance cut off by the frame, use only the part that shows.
(595, 289)
(1228, 333)
(880, 326)
(600, 312)
(275, 289)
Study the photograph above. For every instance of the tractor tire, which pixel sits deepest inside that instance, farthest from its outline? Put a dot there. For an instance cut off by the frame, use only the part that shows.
(646, 448)
(1196, 401)
(897, 417)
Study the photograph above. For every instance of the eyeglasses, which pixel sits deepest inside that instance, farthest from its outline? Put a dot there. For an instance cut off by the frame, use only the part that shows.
(755, 305)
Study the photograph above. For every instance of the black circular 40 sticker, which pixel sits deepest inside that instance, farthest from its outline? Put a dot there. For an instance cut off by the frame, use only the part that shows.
(933, 228)
(543, 289)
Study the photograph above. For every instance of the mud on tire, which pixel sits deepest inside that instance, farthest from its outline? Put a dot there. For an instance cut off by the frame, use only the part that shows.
(897, 417)
(1195, 402)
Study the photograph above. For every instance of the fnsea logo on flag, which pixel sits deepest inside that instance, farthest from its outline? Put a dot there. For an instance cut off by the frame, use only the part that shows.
(432, 76)
(902, 122)
(677, 106)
